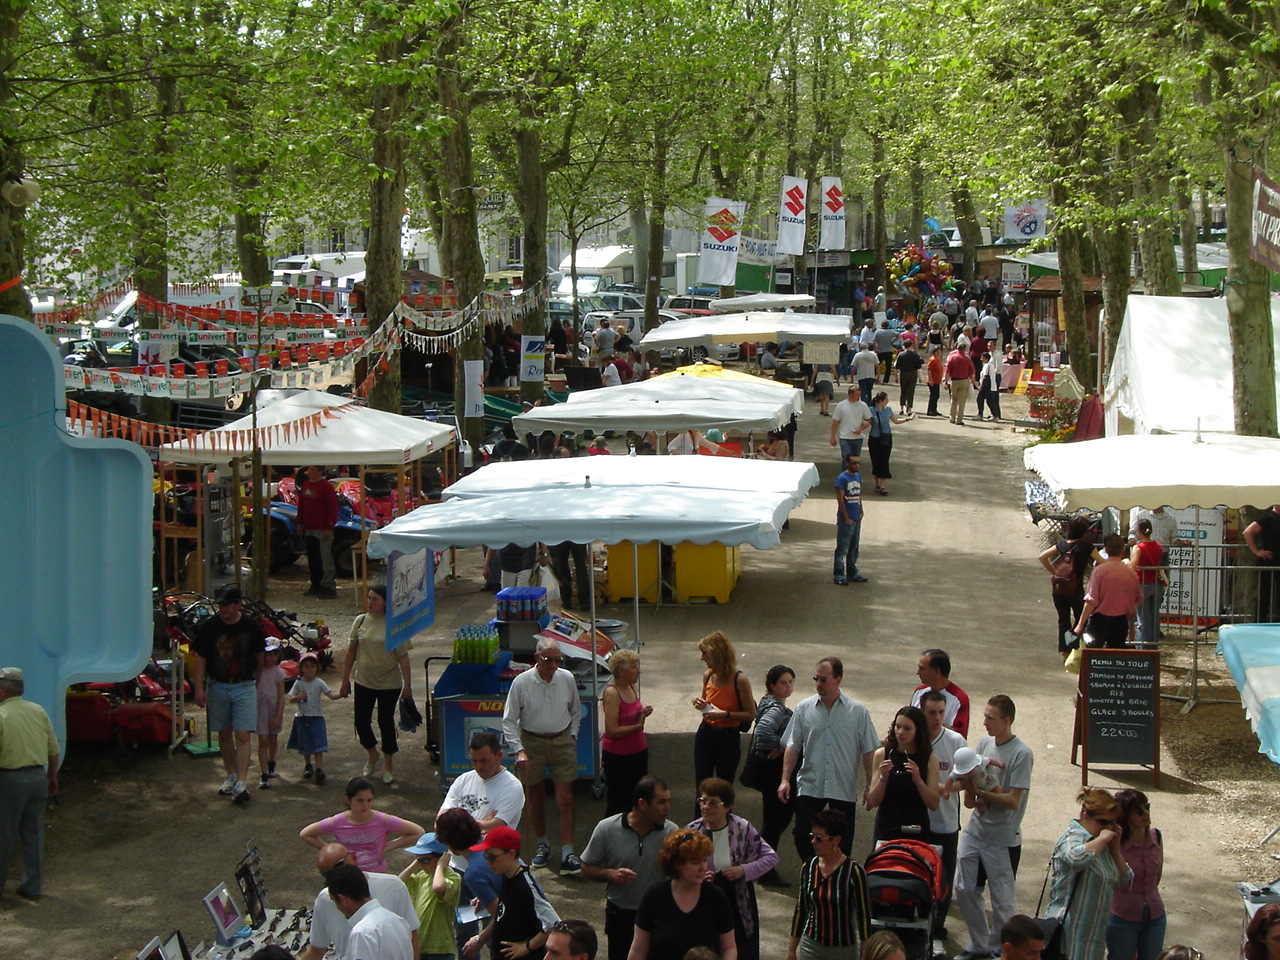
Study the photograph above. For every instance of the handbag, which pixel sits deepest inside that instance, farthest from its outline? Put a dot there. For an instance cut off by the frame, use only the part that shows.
(753, 769)
(1052, 927)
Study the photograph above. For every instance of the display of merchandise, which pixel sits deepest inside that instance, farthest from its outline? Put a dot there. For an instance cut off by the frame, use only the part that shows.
(475, 643)
(522, 603)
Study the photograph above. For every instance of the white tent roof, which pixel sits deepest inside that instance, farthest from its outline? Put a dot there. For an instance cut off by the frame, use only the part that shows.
(763, 301)
(795, 479)
(1160, 470)
(348, 433)
(671, 403)
(749, 328)
(1172, 366)
(545, 501)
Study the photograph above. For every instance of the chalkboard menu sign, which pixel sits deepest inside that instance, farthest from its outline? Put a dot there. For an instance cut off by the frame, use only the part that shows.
(1119, 708)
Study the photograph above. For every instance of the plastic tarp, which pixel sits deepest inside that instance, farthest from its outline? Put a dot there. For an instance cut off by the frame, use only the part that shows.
(763, 301)
(749, 328)
(671, 403)
(348, 433)
(714, 371)
(1252, 653)
(1151, 470)
(1172, 366)
(568, 475)
(542, 503)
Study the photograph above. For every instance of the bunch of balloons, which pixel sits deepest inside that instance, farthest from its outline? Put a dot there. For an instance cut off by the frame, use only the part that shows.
(918, 273)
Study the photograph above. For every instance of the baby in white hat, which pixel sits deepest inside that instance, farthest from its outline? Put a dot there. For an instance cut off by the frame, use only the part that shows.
(974, 771)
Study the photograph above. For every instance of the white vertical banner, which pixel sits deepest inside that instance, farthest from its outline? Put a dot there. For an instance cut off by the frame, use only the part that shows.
(792, 212)
(533, 358)
(1026, 220)
(831, 233)
(721, 238)
(473, 370)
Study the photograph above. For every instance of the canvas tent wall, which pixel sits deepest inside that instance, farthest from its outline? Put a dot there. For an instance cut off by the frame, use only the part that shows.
(1172, 367)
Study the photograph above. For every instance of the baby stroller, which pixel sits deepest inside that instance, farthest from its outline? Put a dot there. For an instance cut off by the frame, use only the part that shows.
(905, 884)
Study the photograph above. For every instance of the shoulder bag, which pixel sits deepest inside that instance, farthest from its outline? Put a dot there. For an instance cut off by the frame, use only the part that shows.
(1052, 927)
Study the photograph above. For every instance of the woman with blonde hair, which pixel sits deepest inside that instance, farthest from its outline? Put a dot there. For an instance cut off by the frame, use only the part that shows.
(883, 945)
(683, 911)
(725, 704)
(624, 749)
(1086, 867)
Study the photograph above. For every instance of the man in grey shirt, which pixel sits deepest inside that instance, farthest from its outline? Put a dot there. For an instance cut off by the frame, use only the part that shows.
(623, 853)
(828, 736)
(605, 339)
(993, 837)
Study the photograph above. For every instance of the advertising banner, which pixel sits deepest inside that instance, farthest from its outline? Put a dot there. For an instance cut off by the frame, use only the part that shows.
(832, 234)
(1025, 221)
(1264, 230)
(473, 370)
(533, 359)
(411, 595)
(792, 212)
(721, 237)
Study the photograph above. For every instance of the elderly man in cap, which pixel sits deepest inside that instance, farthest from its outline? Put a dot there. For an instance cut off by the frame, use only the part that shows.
(28, 778)
(329, 926)
(229, 649)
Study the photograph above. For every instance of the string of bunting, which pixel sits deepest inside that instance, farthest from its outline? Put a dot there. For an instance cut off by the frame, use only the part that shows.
(84, 420)
(90, 309)
(235, 443)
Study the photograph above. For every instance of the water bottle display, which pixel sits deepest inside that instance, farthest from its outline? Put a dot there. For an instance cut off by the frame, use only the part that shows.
(475, 643)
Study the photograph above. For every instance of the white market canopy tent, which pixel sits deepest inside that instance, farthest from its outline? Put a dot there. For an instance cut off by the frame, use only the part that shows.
(671, 403)
(1154, 470)
(335, 431)
(1172, 367)
(541, 501)
(763, 301)
(762, 327)
(793, 479)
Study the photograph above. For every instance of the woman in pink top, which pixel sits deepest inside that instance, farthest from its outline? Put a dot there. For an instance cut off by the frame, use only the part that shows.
(366, 832)
(1137, 921)
(624, 749)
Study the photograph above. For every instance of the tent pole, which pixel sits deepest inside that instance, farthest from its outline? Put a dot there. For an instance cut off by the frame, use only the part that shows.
(598, 779)
(635, 589)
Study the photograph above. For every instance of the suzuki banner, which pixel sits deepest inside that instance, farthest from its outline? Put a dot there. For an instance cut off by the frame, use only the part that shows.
(831, 234)
(721, 237)
(1264, 229)
(792, 210)
(1025, 221)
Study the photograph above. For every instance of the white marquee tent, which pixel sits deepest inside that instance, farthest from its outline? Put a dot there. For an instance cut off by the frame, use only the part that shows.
(1172, 367)
(763, 327)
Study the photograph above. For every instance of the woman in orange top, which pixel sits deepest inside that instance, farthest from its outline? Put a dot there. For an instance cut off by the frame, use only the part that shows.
(933, 376)
(725, 702)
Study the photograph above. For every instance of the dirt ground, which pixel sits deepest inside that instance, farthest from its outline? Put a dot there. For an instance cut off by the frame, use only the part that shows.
(136, 838)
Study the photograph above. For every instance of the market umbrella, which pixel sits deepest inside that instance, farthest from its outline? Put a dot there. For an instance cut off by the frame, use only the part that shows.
(762, 301)
(762, 327)
(1151, 470)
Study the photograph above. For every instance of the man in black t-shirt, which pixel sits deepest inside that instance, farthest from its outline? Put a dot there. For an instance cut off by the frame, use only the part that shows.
(1263, 539)
(228, 649)
(908, 366)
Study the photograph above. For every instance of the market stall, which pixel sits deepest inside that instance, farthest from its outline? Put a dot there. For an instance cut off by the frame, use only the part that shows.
(1172, 470)
(617, 500)
(758, 327)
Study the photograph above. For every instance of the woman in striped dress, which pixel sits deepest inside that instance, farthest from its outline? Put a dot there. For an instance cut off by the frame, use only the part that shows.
(831, 915)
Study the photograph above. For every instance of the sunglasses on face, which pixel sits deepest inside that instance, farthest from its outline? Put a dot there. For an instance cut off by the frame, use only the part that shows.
(546, 659)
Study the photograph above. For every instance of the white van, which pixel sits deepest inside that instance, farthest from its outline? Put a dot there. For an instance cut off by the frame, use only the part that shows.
(600, 268)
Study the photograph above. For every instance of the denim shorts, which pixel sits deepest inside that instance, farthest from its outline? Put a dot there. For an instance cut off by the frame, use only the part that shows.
(232, 706)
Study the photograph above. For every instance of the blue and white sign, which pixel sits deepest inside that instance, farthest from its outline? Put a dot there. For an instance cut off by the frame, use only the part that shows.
(411, 595)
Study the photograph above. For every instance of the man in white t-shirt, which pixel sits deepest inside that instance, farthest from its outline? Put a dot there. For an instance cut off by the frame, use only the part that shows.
(944, 823)
(488, 791)
(330, 927)
(849, 421)
(993, 836)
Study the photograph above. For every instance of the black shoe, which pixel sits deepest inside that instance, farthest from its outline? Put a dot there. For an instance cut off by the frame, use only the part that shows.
(311, 592)
(858, 579)
(327, 593)
(771, 879)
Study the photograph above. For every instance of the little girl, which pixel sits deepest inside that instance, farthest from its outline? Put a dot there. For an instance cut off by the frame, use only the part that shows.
(309, 735)
(270, 712)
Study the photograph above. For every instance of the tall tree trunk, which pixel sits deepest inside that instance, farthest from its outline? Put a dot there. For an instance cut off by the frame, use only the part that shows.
(14, 299)
(970, 230)
(459, 227)
(1253, 362)
(657, 226)
(384, 278)
(917, 198)
(639, 222)
(1072, 276)
(1114, 243)
(1187, 238)
(879, 228)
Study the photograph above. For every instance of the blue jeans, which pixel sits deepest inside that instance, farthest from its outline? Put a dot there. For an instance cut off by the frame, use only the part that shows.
(867, 385)
(1148, 634)
(846, 559)
(1145, 936)
(847, 447)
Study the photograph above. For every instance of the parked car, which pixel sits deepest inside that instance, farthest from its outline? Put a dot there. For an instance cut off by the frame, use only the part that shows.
(688, 301)
(619, 300)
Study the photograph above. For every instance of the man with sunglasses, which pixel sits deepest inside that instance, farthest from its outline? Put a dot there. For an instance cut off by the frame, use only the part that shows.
(540, 724)
(329, 927)
(829, 735)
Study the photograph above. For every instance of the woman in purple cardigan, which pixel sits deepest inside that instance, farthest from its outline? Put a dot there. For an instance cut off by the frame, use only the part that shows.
(739, 859)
